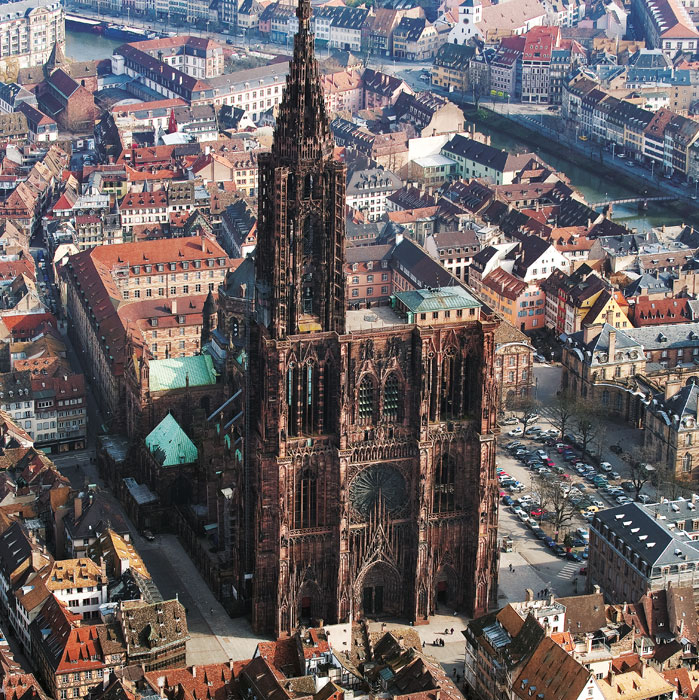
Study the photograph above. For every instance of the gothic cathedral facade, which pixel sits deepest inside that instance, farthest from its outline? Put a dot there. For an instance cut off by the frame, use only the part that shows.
(372, 452)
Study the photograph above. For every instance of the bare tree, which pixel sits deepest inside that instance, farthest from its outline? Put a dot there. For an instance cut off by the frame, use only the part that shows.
(563, 411)
(587, 421)
(641, 472)
(527, 407)
(557, 496)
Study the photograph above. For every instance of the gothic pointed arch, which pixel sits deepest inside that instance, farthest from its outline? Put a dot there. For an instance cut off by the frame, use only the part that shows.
(392, 399)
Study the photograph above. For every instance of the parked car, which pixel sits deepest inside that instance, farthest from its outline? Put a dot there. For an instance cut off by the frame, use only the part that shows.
(605, 467)
(643, 498)
(623, 500)
(558, 550)
(548, 541)
(507, 500)
(578, 542)
(614, 475)
(516, 432)
(583, 571)
(533, 431)
(148, 535)
(573, 556)
(510, 421)
(532, 416)
(628, 486)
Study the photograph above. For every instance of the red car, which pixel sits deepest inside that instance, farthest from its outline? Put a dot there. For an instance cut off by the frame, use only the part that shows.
(537, 512)
(583, 571)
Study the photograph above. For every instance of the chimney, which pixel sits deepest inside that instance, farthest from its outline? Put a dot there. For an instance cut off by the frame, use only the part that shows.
(694, 498)
(230, 664)
(612, 343)
(610, 317)
(610, 677)
(173, 308)
(77, 507)
(528, 595)
(671, 388)
(194, 671)
(596, 589)
(588, 643)
(590, 333)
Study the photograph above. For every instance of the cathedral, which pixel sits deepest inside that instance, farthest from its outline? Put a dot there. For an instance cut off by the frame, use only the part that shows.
(371, 451)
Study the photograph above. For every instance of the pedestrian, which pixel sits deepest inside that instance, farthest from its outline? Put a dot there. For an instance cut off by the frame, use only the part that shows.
(446, 631)
(423, 645)
(451, 631)
(211, 611)
(454, 673)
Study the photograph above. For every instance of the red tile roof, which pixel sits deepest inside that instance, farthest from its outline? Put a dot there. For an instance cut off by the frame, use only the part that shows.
(205, 682)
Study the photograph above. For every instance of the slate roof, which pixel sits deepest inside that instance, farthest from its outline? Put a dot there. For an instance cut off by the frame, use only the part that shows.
(646, 535)
(179, 372)
(624, 340)
(649, 283)
(170, 444)
(682, 335)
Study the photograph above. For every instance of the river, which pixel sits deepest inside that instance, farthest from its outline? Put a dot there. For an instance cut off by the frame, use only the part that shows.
(85, 46)
(596, 187)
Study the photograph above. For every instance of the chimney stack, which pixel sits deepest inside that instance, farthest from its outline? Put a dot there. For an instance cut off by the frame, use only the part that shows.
(77, 507)
(173, 307)
(671, 388)
(612, 343)
(590, 333)
(528, 595)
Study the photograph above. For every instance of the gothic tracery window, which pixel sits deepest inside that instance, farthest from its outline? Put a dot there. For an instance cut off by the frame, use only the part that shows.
(391, 398)
(306, 500)
(367, 399)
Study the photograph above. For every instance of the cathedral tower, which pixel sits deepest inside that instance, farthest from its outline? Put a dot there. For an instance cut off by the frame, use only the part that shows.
(372, 486)
(301, 203)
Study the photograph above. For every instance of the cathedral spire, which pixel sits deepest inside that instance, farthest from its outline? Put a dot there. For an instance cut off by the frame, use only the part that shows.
(303, 127)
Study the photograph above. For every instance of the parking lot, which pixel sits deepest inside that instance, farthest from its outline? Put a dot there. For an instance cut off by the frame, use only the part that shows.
(539, 563)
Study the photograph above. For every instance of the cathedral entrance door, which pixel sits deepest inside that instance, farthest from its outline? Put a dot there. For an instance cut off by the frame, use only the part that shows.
(442, 591)
(373, 600)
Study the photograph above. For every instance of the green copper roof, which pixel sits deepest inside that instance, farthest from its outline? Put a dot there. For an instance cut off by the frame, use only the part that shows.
(174, 372)
(170, 443)
(422, 300)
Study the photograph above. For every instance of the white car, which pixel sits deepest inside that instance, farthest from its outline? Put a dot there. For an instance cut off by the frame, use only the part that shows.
(605, 467)
(623, 500)
(643, 498)
(510, 421)
(516, 432)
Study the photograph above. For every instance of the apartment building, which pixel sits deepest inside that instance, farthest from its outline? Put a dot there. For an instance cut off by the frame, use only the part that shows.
(198, 57)
(367, 191)
(29, 29)
(52, 409)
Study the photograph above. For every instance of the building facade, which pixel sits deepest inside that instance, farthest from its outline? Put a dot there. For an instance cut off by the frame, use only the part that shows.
(365, 445)
(28, 32)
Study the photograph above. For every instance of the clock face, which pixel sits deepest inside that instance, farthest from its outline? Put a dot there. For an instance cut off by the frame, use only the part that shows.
(374, 483)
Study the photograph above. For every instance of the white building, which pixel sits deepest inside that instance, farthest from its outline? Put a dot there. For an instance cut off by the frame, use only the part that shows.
(80, 584)
(28, 31)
